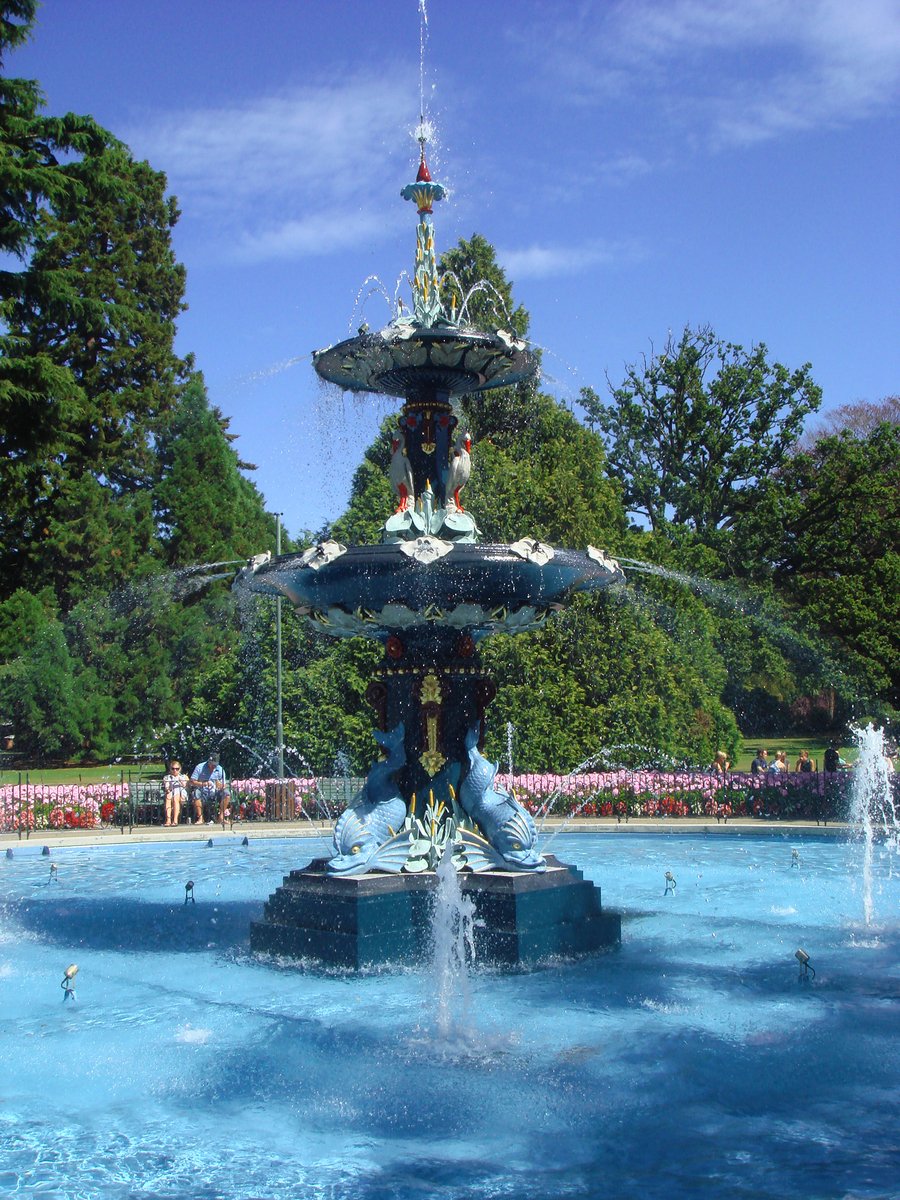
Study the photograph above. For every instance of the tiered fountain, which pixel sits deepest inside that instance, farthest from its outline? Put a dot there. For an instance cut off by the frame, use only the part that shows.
(430, 592)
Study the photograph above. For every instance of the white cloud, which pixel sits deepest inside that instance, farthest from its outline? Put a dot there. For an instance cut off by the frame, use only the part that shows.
(731, 72)
(545, 261)
(309, 236)
(285, 175)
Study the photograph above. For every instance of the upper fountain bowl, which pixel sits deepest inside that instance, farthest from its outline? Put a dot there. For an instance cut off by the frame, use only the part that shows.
(411, 360)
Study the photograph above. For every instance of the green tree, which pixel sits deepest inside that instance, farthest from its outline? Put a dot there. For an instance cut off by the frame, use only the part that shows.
(692, 430)
(87, 322)
(371, 498)
(471, 267)
(824, 531)
(206, 507)
(38, 695)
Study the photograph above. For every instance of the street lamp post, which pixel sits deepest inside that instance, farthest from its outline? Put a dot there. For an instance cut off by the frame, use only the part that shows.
(279, 724)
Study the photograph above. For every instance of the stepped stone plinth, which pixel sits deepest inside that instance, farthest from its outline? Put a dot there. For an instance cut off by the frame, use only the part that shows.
(379, 920)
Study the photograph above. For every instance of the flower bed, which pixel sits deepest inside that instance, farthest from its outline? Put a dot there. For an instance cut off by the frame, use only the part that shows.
(625, 793)
(622, 793)
(30, 806)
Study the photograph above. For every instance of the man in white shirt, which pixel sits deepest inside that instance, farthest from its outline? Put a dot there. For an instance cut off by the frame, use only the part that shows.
(208, 784)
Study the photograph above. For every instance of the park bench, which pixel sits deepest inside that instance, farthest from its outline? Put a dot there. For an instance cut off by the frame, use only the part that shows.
(144, 804)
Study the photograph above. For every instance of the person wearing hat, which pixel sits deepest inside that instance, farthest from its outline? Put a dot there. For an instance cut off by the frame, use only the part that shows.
(208, 784)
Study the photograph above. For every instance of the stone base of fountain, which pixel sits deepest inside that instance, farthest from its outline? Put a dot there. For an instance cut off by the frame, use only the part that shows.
(377, 920)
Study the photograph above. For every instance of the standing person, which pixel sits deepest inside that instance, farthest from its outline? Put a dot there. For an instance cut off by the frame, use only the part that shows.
(207, 784)
(760, 764)
(804, 763)
(833, 760)
(175, 790)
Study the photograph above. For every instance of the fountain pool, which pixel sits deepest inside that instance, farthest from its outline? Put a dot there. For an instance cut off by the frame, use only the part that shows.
(691, 1059)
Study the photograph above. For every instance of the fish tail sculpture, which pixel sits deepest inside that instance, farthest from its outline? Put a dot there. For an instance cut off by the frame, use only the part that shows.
(508, 829)
(368, 835)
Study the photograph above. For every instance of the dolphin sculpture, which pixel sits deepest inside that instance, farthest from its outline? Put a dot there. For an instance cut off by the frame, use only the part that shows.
(369, 835)
(507, 827)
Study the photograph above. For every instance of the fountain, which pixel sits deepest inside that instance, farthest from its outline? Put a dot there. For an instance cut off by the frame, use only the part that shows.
(430, 592)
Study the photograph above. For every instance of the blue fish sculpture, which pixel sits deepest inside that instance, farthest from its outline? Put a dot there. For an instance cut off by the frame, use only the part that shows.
(369, 835)
(508, 828)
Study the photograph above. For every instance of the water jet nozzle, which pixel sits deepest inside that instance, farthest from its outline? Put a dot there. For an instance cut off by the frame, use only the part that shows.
(805, 965)
(68, 984)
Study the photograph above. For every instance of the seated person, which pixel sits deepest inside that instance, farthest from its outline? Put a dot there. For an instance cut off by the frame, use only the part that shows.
(208, 784)
(175, 790)
(779, 763)
(720, 763)
(804, 763)
(760, 764)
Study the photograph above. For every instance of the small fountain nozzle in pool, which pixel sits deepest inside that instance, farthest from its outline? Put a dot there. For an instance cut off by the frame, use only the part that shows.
(68, 982)
(805, 965)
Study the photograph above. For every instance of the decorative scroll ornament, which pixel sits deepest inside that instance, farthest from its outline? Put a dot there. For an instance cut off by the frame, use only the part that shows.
(338, 622)
(425, 549)
(533, 551)
(523, 620)
(322, 555)
(601, 557)
(510, 340)
(431, 698)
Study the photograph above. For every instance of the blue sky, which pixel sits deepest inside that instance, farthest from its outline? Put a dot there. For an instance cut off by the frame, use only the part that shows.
(639, 165)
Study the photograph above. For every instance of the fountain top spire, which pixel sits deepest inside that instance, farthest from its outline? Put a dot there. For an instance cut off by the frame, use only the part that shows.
(430, 353)
(424, 191)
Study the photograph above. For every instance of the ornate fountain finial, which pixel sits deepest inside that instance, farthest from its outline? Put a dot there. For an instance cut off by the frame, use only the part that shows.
(425, 192)
(423, 175)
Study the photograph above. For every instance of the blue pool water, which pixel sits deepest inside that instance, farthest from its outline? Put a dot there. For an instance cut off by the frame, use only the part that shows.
(692, 1061)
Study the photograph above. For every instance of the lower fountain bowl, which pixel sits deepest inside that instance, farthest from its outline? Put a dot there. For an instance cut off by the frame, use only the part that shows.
(368, 591)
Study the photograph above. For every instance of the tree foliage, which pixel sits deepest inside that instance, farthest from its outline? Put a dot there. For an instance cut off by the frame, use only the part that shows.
(826, 531)
(206, 509)
(692, 429)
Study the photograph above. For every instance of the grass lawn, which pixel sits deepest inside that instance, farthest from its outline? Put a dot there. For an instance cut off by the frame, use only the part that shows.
(56, 775)
(815, 744)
